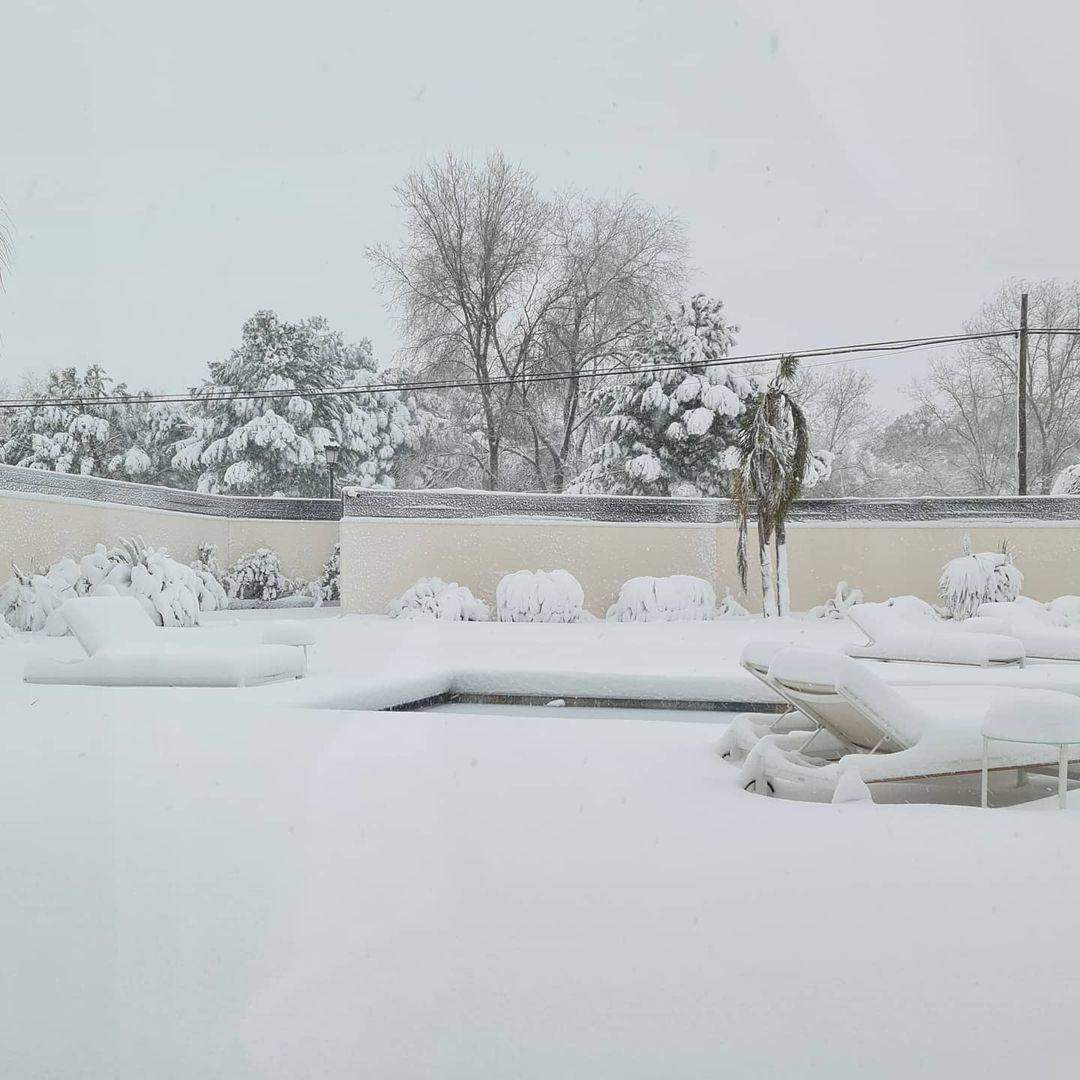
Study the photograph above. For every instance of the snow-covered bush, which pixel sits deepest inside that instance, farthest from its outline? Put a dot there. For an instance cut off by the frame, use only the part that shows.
(730, 607)
(29, 600)
(328, 586)
(436, 600)
(172, 594)
(1067, 482)
(540, 596)
(258, 576)
(664, 599)
(978, 578)
(843, 597)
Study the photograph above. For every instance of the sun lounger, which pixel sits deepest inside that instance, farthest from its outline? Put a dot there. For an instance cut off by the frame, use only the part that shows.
(892, 734)
(125, 648)
(746, 729)
(892, 635)
(1045, 635)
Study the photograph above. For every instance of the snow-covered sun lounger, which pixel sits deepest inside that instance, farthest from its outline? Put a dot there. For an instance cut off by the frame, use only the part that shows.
(746, 729)
(892, 734)
(894, 636)
(1044, 634)
(125, 648)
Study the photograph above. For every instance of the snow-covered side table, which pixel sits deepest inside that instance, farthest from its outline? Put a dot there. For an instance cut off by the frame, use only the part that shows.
(1041, 723)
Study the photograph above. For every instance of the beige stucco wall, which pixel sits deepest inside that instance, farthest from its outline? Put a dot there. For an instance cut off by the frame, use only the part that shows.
(38, 530)
(380, 558)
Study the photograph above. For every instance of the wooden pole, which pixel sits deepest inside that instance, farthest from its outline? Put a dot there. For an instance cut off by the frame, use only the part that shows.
(1021, 400)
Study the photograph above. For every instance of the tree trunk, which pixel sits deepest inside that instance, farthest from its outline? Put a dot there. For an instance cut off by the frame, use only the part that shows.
(783, 585)
(768, 594)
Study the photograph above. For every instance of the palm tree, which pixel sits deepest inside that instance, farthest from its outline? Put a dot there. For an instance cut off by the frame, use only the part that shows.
(773, 445)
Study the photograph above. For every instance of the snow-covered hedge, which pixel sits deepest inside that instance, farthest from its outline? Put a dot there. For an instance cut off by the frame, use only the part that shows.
(553, 596)
(258, 576)
(664, 599)
(436, 600)
(978, 578)
(172, 594)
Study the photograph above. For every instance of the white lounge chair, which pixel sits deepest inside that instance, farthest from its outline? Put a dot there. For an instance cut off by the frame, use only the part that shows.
(1045, 634)
(125, 648)
(892, 634)
(891, 734)
(745, 729)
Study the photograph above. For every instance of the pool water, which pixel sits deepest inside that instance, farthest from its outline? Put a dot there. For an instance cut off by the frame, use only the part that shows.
(587, 712)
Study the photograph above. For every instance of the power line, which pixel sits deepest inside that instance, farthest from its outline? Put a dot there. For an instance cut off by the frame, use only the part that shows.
(421, 386)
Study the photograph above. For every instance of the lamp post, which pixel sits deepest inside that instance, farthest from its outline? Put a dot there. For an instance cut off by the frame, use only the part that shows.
(331, 451)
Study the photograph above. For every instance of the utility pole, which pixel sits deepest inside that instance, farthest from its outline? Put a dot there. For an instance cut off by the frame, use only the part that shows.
(1021, 400)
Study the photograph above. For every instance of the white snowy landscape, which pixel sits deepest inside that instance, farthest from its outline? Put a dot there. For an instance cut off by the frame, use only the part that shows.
(539, 541)
(277, 881)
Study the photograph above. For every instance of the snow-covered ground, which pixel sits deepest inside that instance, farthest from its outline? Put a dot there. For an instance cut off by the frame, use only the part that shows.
(245, 884)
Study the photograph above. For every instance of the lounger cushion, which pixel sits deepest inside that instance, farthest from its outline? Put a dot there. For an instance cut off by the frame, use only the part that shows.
(808, 667)
(1023, 610)
(1047, 642)
(942, 647)
(1040, 712)
(101, 621)
(897, 718)
(760, 654)
(281, 632)
(145, 665)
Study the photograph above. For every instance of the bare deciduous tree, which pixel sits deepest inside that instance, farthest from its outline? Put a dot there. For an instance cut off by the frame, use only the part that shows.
(838, 403)
(619, 263)
(967, 404)
(495, 284)
(472, 282)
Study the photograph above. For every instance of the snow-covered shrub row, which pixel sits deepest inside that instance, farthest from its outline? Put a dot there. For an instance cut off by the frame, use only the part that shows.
(664, 599)
(553, 596)
(172, 594)
(432, 599)
(843, 597)
(978, 578)
(257, 576)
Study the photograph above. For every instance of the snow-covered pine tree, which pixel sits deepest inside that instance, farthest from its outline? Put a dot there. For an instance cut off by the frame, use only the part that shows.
(668, 432)
(83, 435)
(268, 445)
(1067, 482)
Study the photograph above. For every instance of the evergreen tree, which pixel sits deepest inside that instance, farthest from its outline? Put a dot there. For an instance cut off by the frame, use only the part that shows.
(266, 445)
(668, 432)
(81, 434)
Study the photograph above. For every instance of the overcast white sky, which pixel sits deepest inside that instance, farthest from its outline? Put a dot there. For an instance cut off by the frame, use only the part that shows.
(847, 171)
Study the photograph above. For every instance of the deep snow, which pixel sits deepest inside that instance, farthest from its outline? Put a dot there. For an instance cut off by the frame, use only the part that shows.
(231, 883)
